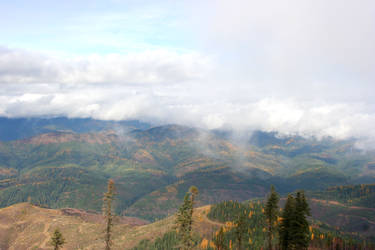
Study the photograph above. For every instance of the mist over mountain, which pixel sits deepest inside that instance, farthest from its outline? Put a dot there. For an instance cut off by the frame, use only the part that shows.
(21, 128)
(61, 162)
(293, 69)
(157, 96)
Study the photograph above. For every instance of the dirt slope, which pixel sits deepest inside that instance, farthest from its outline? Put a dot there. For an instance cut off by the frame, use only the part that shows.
(24, 226)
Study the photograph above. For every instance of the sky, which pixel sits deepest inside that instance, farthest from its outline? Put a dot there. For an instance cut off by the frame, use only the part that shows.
(295, 66)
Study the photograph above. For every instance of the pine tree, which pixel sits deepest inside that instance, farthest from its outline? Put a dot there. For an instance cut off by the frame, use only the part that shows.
(240, 229)
(184, 219)
(285, 239)
(57, 239)
(108, 214)
(193, 190)
(294, 228)
(300, 225)
(271, 212)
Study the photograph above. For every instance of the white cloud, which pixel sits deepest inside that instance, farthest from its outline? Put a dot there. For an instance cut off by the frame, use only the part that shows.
(148, 67)
(293, 66)
(293, 42)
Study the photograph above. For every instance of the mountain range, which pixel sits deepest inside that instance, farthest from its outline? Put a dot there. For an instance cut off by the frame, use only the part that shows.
(62, 162)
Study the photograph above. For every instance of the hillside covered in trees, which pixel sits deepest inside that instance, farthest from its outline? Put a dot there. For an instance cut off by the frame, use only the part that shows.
(153, 167)
(362, 195)
(226, 225)
(66, 162)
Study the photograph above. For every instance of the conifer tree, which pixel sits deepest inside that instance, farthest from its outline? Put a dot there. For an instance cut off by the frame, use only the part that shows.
(285, 239)
(193, 190)
(108, 214)
(57, 239)
(219, 240)
(294, 228)
(184, 219)
(240, 229)
(271, 212)
(300, 225)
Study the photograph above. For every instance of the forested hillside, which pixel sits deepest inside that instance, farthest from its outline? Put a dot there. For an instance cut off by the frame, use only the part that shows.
(153, 166)
(26, 225)
(353, 195)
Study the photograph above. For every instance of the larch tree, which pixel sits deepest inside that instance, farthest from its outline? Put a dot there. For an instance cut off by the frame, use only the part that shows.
(57, 239)
(108, 198)
(271, 212)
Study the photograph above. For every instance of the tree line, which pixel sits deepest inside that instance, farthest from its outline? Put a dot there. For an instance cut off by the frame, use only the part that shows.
(248, 225)
(354, 195)
(263, 226)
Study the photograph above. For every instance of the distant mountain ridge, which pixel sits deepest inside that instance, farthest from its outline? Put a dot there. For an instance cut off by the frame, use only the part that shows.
(69, 164)
(21, 128)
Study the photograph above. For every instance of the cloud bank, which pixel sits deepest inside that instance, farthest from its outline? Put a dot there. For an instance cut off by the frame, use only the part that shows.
(149, 67)
(296, 67)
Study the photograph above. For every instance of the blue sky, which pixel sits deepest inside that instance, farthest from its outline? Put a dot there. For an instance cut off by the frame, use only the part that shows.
(295, 66)
(84, 27)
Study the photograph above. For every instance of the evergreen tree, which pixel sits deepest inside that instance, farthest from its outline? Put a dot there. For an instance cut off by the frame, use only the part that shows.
(240, 229)
(219, 240)
(184, 219)
(294, 228)
(271, 212)
(300, 225)
(193, 190)
(57, 239)
(183, 222)
(285, 237)
(108, 214)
